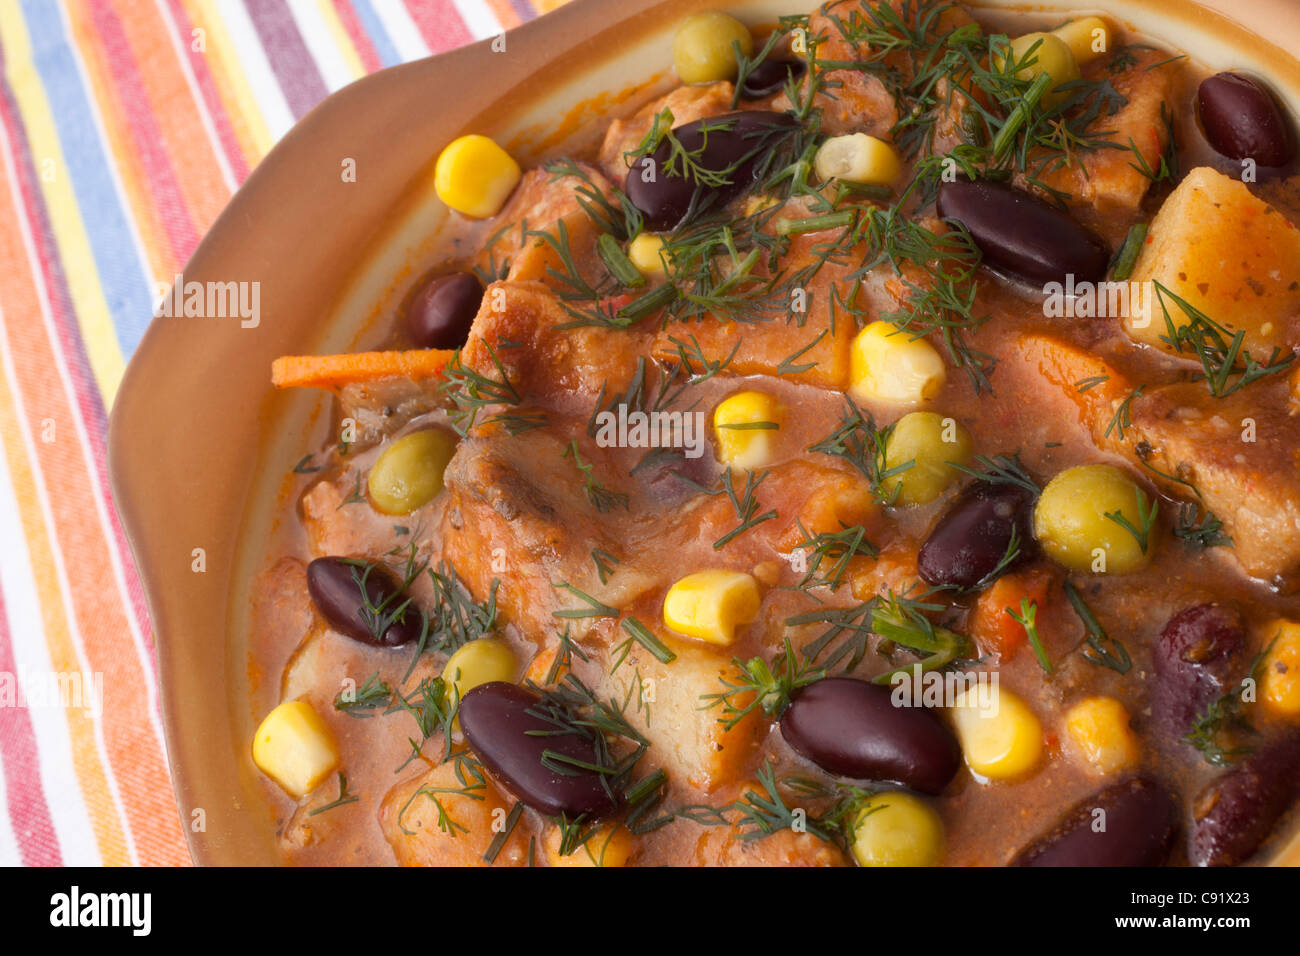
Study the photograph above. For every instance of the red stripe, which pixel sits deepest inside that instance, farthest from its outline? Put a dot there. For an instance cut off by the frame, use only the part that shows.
(360, 39)
(292, 63)
(208, 91)
(88, 399)
(162, 183)
(439, 23)
(29, 812)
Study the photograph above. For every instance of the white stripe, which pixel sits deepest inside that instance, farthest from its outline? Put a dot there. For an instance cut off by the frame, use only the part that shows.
(257, 69)
(181, 45)
(321, 42)
(479, 18)
(9, 855)
(401, 29)
(31, 656)
(143, 649)
(6, 356)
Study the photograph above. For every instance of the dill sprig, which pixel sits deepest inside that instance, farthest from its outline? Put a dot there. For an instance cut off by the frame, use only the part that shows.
(601, 498)
(837, 547)
(1106, 651)
(1224, 716)
(861, 443)
(345, 796)
(745, 504)
(759, 685)
(1225, 365)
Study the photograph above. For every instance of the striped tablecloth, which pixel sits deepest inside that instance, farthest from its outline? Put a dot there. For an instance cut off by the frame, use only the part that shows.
(125, 125)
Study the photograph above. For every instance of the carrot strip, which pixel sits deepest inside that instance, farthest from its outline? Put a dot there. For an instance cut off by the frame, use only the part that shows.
(334, 371)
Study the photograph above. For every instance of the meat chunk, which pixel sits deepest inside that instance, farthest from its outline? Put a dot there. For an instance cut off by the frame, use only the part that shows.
(1241, 452)
(543, 202)
(808, 341)
(521, 326)
(1109, 182)
(435, 819)
(686, 103)
(1227, 253)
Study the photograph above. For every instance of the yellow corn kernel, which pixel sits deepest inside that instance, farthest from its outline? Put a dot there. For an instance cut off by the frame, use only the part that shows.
(1099, 730)
(897, 829)
(1087, 38)
(608, 846)
(1280, 677)
(474, 176)
(704, 47)
(710, 605)
(479, 662)
(858, 158)
(1000, 736)
(888, 365)
(294, 748)
(646, 253)
(746, 424)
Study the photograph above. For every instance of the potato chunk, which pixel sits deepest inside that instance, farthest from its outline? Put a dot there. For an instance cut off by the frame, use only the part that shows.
(692, 743)
(1226, 252)
(410, 819)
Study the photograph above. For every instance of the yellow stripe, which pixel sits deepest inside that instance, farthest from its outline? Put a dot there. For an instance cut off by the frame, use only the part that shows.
(246, 116)
(345, 45)
(79, 268)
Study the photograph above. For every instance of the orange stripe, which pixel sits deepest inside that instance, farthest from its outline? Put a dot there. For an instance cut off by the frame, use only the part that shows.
(131, 746)
(506, 15)
(162, 262)
(175, 110)
(19, 301)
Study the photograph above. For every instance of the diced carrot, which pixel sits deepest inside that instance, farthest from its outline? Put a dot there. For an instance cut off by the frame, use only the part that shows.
(995, 630)
(335, 371)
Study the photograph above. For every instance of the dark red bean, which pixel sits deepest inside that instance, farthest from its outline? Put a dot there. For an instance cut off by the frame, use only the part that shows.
(974, 535)
(717, 143)
(333, 584)
(1236, 813)
(1022, 235)
(1137, 827)
(1194, 661)
(1242, 120)
(442, 312)
(505, 726)
(770, 77)
(852, 729)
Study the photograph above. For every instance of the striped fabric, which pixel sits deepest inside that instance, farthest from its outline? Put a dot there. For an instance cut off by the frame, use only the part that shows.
(125, 125)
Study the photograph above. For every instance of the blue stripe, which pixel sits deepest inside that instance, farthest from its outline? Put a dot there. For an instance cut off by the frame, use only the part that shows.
(122, 275)
(388, 54)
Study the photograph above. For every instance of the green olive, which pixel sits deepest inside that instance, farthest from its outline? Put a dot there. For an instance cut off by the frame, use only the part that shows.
(897, 829)
(408, 473)
(1053, 56)
(702, 48)
(929, 441)
(1077, 521)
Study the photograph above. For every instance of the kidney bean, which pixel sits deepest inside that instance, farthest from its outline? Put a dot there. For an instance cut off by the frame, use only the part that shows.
(1194, 661)
(852, 728)
(441, 313)
(1242, 120)
(770, 77)
(333, 586)
(717, 143)
(505, 726)
(1138, 826)
(1022, 235)
(1236, 813)
(973, 535)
